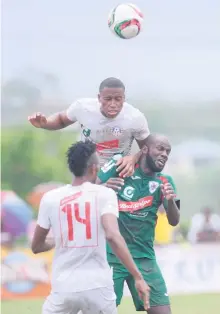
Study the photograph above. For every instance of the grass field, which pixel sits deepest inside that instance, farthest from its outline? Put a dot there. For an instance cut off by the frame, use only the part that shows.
(189, 304)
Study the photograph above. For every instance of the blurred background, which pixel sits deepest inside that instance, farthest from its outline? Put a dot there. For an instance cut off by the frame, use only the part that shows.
(56, 51)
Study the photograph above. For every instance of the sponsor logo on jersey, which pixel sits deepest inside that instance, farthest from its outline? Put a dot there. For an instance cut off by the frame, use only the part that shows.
(86, 132)
(108, 166)
(116, 131)
(139, 214)
(107, 145)
(135, 177)
(137, 205)
(128, 192)
(153, 186)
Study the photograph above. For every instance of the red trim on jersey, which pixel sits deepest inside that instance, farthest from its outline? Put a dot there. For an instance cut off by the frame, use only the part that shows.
(70, 198)
(164, 180)
(107, 145)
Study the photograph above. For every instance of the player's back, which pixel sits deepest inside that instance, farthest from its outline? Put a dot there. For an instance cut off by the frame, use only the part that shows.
(80, 261)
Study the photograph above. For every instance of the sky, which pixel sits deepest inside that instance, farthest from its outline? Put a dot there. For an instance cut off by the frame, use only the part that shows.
(176, 56)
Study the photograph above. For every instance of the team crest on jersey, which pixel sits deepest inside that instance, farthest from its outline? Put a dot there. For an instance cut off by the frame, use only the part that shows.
(153, 186)
(86, 132)
(116, 131)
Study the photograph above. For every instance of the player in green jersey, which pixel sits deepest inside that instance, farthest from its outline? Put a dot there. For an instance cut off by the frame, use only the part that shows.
(139, 199)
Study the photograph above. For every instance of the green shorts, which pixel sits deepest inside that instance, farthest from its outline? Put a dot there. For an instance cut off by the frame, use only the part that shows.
(152, 275)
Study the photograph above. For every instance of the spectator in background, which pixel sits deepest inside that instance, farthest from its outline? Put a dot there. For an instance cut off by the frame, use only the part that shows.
(204, 227)
(163, 230)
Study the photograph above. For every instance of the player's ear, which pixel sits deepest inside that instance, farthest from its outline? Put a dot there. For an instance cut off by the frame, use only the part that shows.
(99, 97)
(94, 169)
(144, 150)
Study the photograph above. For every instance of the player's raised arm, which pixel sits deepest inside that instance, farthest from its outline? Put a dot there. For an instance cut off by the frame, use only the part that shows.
(109, 214)
(170, 202)
(54, 122)
(58, 120)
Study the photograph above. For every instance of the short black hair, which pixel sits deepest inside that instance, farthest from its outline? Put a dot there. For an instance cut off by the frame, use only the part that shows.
(111, 82)
(79, 157)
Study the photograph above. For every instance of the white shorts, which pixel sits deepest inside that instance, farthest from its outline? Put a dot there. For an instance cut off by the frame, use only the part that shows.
(97, 301)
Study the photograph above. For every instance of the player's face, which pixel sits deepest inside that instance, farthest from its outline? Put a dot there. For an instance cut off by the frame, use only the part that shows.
(158, 154)
(111, 100)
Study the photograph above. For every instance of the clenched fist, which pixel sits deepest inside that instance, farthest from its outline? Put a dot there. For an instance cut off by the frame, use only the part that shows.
(168, 191)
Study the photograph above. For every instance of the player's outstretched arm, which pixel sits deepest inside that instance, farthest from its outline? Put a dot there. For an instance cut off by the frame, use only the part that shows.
(109, 212)
(118, 244)
(56, 121)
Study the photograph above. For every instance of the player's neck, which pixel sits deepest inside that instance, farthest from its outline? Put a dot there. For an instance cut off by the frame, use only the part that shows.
(145, 169)
(79, 181)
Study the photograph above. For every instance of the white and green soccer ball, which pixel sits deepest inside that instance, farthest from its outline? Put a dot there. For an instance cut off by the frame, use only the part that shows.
(125, 20)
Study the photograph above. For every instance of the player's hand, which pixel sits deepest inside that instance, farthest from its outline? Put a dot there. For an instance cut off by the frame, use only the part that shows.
(168, 191)
(38, 120)
(125, 166)
(115, 183)
(144, 292)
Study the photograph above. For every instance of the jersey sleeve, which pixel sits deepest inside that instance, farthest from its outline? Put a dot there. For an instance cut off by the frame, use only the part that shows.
(109, 169)
(73, 112)
(141, 129)
(43, 214)
(109, 202)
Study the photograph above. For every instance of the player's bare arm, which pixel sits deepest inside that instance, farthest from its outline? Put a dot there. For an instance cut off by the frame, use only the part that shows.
(119, 247)
(39, 242)
(54, 122)
(126, 165)
(113, 183)
(173, 213)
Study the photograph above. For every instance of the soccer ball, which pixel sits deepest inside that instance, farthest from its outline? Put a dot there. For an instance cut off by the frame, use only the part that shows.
(125, 20)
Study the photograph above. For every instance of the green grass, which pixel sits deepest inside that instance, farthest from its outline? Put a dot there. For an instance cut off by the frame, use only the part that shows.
(188, 304)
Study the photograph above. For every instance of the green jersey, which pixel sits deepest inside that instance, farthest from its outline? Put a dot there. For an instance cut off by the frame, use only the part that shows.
(138, 201)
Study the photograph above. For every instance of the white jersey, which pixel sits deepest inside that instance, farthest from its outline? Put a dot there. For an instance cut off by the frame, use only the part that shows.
(112, 136)
(74, 214)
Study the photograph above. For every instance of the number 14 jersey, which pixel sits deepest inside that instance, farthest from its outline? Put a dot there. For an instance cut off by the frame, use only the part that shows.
(74, 214)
